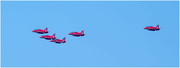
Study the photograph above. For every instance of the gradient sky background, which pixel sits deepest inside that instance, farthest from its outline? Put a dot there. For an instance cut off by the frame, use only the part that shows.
(114, 34)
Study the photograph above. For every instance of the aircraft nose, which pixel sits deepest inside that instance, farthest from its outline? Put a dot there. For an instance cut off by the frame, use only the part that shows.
(33, 31)
(41, 37)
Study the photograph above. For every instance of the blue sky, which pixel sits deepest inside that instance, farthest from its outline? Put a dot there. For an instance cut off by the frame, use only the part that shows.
(114, 34)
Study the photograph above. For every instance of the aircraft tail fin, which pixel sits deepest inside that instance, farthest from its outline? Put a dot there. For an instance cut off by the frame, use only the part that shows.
(82, 31)
(64, 38)
(53, 35)
(157, 26)
(46, 28)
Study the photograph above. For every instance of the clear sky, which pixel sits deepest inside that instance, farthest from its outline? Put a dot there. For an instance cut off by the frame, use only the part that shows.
(114, 34)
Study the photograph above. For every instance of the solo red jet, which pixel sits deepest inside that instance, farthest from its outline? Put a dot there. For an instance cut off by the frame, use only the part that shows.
(151, 28)
(48, 37)
(40, 31)
(77, 33)
(58, 40)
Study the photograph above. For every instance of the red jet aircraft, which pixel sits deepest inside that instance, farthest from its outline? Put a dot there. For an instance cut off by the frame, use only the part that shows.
(40, 31)
(151, 28)
(77, 33)
(48, 37)
(58, 40)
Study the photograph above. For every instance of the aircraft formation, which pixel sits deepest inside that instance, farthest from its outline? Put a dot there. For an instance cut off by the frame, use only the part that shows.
(53, 38)
(77, 34)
